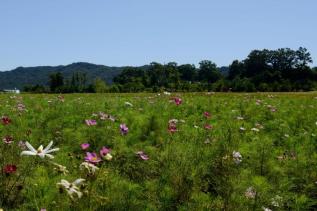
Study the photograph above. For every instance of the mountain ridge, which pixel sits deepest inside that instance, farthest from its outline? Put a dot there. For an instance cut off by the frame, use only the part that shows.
(22, 76)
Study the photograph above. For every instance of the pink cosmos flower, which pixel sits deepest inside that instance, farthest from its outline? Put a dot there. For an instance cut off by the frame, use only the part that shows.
(207, 114)
(91, 122)
(177, 100)
(8, 139)
(104, 151)
(10, 169)
(85, 146)
(124, 129)
(5, 120)
(172, 127)
(208, 127)
(142, 155)
(92, 157)
(21, 107)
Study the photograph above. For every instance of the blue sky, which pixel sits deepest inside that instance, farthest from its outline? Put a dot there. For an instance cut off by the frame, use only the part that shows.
(137, 32)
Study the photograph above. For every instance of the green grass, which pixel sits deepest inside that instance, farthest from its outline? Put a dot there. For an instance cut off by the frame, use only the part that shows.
(191, 169)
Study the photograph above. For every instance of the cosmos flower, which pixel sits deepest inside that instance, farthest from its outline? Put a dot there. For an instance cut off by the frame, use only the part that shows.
(5, 120)
(124, 129)
(237, 157)
(208, 127)
(40, 151)
(91, 168)
(105, 153)
(9, 169)
(90, 122)
(266, 209)
(172, 125)
(128, 104)
(258, 102)
(22, 145)
(207, 114)
(60, 168)
(103, 116)
(72, 188)
(61, 98)
(178, 100)
(20, 107)
(142, 155)
(250, 193)
(85, 146)
(167, 93)
(277, 201)
(92, 157)
(255, 129)
(8, 139)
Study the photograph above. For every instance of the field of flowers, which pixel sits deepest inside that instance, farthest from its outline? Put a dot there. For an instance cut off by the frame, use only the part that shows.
(167, 151)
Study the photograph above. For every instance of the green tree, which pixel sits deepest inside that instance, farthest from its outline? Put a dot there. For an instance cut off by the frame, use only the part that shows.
(208, 72)
(187, 72)
(100, 86)
(56, 82)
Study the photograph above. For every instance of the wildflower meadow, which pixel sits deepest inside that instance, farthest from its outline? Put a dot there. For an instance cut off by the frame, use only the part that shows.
(158, 151)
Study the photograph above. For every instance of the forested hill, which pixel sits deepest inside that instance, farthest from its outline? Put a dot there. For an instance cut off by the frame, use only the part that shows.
(22, 76)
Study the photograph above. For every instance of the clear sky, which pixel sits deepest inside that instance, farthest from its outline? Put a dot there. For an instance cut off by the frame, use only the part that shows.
(137, 32)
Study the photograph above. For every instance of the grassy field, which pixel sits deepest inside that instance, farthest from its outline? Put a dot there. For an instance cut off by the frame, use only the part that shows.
(200, 151)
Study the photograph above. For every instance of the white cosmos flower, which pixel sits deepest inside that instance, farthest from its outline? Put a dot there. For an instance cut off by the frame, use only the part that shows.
(255, 129)
(60, 168)
(72, 188)
(128, 104)
(237, 157)
(40, 151)
(89, 166)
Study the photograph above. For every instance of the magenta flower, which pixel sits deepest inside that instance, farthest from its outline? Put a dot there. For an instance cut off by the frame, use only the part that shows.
(104, 151)
(208, 127)
(5, 120)
(177, 101)
(142, 155)
(92, 157)
(91, 122)
(8, 139)
(124, 129)
(172, 127)
(10, 169)
(207, 114)
(85, 146)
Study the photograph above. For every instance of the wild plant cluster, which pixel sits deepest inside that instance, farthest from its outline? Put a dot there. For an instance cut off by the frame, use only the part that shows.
(166, 151)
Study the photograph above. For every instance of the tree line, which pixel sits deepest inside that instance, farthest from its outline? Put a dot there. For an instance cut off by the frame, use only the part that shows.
(283, 69)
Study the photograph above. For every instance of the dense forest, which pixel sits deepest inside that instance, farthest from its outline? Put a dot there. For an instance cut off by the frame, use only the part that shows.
(283, 69)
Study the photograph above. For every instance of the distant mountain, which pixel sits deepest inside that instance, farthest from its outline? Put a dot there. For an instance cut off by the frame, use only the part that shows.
(22, 76)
